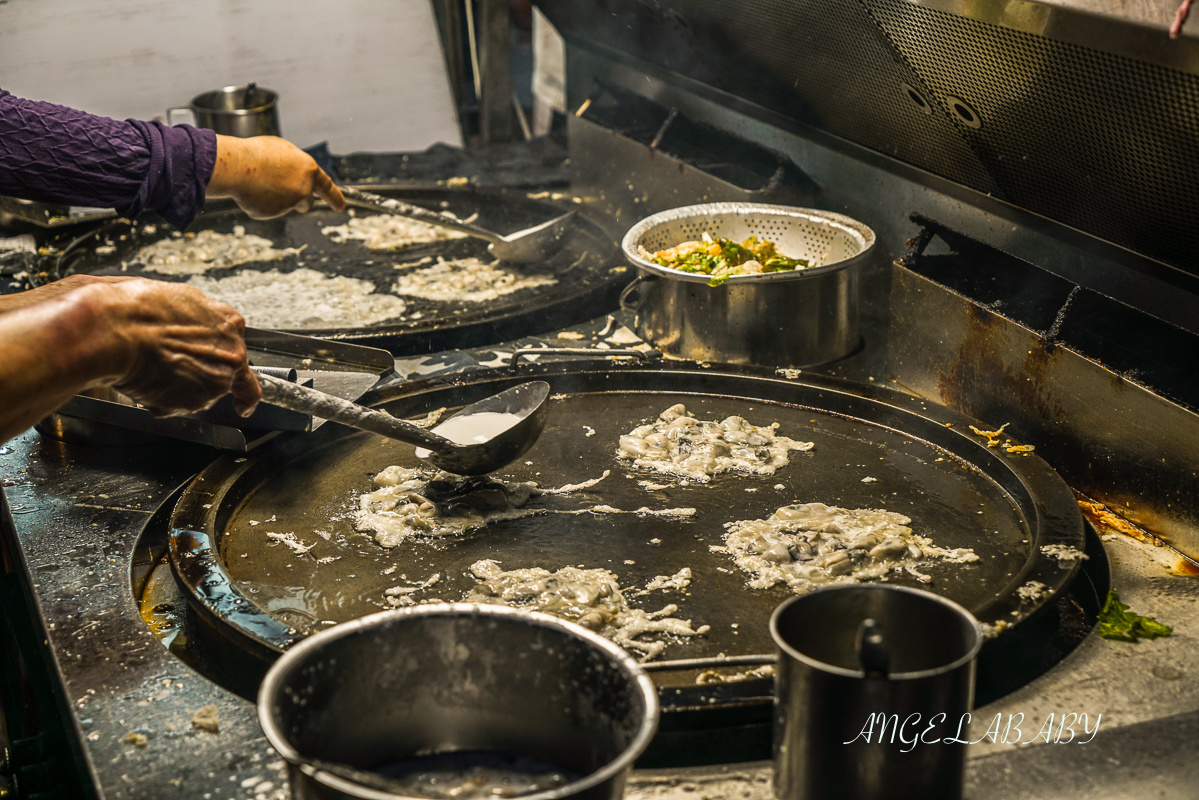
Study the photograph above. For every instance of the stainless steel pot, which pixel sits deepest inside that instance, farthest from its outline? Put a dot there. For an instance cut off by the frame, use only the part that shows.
(797, 318)
(233, 111)
(349, 702)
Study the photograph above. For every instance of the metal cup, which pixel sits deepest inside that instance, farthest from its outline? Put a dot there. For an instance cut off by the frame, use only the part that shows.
(233, 111)
(871, 687)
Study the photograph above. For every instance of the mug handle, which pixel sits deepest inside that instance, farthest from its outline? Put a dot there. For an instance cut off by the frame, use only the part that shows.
(172, 112)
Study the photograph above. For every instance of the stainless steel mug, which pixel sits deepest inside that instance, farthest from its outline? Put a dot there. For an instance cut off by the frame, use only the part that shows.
(872, 690)
(233, 111)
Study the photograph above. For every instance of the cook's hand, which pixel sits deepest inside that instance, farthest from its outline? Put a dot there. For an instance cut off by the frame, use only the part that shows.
(176, 349)
(268, 177)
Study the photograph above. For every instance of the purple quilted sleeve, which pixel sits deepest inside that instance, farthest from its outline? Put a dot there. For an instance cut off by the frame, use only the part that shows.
(53, 154)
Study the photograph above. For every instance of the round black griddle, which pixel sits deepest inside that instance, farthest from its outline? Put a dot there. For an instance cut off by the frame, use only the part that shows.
(589, 269)
(924, 460)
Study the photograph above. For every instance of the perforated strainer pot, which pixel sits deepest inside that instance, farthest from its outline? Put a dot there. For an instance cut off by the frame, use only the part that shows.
(795, 318)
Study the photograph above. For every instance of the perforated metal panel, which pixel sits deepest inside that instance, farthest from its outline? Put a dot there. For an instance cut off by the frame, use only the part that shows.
(1096, 141)
(826, 64)
(1092, 139)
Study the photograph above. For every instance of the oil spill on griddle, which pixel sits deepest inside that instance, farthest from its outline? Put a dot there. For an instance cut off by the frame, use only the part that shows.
(947, 499)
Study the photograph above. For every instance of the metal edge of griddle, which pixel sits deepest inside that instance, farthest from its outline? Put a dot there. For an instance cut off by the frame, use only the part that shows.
(497, 328)
(216, 598)
(224, 609)
(206, 506)
(240, 675)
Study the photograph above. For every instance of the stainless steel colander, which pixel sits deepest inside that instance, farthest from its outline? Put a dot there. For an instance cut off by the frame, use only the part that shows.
(794, 318)
(822, 238)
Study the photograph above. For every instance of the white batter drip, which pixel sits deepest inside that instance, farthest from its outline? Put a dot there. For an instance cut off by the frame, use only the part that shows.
(678, 444)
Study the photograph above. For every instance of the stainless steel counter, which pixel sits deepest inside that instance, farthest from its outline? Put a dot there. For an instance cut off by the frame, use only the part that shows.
(79, 511)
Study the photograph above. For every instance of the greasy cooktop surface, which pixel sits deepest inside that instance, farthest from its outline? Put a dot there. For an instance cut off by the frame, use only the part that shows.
(873, 449)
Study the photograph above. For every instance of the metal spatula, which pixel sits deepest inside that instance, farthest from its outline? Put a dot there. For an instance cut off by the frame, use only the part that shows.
(523, 247)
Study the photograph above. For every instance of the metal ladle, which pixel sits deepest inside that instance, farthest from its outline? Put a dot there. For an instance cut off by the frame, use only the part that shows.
(523, 247)
(526, 403)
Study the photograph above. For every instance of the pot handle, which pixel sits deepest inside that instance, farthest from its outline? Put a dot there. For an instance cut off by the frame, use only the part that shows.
(176, 114)
(630, 298)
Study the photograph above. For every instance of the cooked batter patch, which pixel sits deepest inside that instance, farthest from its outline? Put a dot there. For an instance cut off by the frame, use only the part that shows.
(387, 232)
(678, 444)
(803, 546)
(301, 299)
(590, 597)
(197, 253)
(470, 280)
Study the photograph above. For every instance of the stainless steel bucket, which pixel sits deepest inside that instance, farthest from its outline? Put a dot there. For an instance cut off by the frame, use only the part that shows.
(347, 704)
(233, 111)
(797, 318)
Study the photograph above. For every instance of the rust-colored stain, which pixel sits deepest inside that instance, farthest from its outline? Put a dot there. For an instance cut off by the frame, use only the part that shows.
(1106, 520)
(981, 378)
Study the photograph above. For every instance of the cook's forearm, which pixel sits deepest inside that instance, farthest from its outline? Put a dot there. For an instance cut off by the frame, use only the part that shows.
(52, 350)
(11, 302)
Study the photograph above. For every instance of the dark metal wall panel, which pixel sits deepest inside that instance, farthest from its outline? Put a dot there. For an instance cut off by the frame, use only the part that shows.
(1105, 392)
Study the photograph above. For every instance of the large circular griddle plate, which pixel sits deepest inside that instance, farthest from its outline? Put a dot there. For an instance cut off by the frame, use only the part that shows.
(924, 461)
(589, 270)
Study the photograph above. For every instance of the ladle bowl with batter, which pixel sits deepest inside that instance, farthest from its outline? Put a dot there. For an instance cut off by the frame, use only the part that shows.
(479, 439)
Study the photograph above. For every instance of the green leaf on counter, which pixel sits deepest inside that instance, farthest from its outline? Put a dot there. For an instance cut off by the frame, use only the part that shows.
(1117, 622)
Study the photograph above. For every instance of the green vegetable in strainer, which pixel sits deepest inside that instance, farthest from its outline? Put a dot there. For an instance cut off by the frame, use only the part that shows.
(724, 258)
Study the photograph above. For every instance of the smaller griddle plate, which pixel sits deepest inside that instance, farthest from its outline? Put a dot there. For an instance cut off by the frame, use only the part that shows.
(589, 270)
(925, 461)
